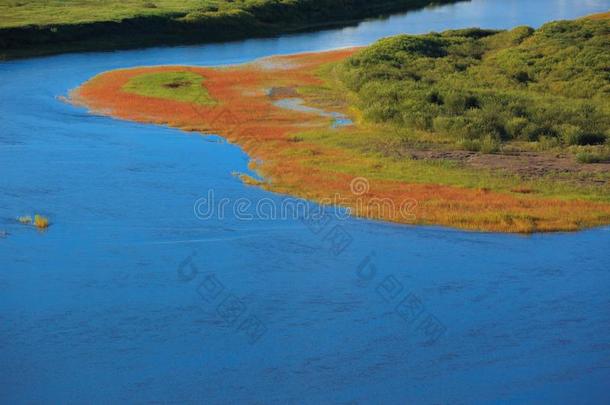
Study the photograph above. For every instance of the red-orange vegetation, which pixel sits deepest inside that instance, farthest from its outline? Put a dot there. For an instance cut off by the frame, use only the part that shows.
(244, 113)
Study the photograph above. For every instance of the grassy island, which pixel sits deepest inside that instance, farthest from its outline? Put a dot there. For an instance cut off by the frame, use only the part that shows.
(484, 130)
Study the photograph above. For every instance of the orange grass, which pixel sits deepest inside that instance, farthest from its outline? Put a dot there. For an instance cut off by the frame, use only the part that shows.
(41, 222)
(599, 16)
(244, 114)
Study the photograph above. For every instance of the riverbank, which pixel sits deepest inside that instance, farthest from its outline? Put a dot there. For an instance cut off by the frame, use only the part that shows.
(303, 154)
(32, 29)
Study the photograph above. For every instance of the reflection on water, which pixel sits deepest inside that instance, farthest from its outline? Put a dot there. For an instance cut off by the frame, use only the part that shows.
(96, 309)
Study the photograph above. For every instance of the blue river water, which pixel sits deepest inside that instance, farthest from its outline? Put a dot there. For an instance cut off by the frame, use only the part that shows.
(130, 297)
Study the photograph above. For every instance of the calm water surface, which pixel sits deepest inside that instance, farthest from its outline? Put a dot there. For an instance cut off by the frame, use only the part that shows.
(102, 307)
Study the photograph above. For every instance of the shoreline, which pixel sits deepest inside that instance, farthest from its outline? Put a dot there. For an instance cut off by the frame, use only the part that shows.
(189, 28)
(286, 152)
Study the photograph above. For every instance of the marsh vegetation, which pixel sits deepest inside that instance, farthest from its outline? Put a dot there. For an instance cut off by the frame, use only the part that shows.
(305, 155)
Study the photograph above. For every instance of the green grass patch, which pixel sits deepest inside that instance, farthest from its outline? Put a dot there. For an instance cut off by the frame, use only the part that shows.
(38, 27)
(179, 86)
(14, 13)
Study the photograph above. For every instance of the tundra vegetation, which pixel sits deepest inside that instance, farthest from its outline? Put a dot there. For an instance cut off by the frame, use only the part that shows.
(180, 86)
(483, 90)
(425, 110)
(36, 27)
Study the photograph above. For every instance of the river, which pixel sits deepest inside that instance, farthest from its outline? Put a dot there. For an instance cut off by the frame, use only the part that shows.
(130, 297)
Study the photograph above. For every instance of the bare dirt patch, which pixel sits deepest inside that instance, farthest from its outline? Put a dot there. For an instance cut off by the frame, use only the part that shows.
(524, 164)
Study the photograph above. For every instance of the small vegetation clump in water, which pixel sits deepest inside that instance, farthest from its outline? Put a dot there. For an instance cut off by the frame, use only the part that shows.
(26, 219)
(249, 180)
(41, 222)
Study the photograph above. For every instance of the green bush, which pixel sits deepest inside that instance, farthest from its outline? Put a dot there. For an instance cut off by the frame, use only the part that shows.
(591, 157)
(590, 139)
(549, 85)
(573, 135)
(488, 144)
(516, 127)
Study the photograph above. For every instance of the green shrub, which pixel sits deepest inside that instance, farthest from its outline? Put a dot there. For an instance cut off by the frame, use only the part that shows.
(548, 142)
(585, 138)
(488, 144)
(547, 86)
(573, 135)
(591, 157)
(522, 77)
(473, 145)
(516, 127)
